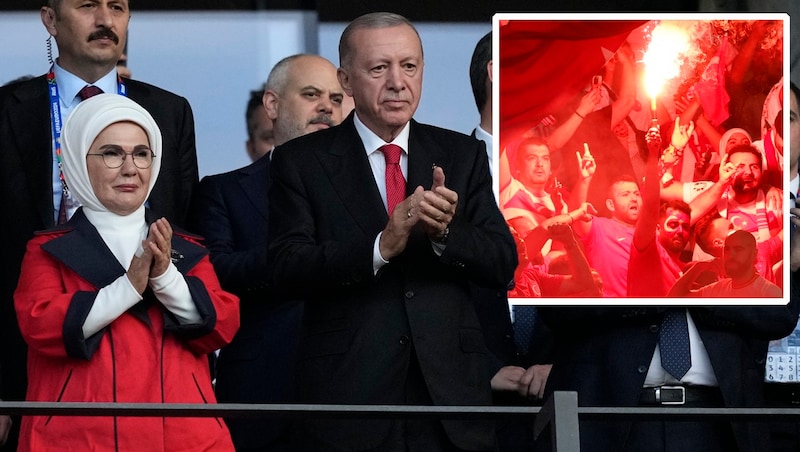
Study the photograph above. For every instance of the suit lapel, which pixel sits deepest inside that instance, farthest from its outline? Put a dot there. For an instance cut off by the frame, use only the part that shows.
(30, 120)
(423, 154)
(85, 252)
(254, 183)
(346, 164)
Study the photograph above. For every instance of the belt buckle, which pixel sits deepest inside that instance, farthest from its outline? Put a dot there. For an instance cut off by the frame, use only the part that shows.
(681, 389)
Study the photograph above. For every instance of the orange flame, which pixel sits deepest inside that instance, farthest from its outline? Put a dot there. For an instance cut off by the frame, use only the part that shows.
(667, 43)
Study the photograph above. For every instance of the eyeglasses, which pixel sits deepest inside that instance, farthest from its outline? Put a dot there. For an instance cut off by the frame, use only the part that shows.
(115, 157)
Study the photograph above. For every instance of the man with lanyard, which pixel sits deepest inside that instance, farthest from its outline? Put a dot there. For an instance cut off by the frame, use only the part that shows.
(90, 38)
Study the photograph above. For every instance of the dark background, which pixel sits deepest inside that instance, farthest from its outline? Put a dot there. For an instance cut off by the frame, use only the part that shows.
(414, 10)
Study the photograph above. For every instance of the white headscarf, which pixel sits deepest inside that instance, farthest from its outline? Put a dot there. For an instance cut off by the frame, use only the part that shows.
(83, 126)
(122, 234)
(723, 140)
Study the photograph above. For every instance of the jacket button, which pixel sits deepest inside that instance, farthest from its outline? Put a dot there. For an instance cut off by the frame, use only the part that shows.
(642, 369)
(409, 294)
(654, 328)
(404, 340)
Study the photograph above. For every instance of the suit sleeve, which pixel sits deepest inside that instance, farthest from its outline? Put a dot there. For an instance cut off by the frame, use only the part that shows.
(480, 243)
(239, 270)
(305, 254)
(41, 303)
(189, 174)
(179, 175)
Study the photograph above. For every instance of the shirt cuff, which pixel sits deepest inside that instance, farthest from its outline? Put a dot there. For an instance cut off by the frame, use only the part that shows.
(377, 260)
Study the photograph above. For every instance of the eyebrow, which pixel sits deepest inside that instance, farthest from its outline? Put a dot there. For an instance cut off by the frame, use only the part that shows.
(116, 146)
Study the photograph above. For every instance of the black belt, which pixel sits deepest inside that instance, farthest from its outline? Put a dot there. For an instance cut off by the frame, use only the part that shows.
(786, 393)
(680, 395)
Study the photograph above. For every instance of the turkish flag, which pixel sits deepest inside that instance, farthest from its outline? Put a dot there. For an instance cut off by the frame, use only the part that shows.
(546, 64)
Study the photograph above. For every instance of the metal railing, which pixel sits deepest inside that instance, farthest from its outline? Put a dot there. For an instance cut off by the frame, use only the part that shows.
(560, 415)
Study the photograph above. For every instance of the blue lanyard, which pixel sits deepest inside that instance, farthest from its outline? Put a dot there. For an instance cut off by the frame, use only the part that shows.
(56, 120)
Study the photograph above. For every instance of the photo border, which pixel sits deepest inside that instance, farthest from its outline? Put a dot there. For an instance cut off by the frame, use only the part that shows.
(499, 18)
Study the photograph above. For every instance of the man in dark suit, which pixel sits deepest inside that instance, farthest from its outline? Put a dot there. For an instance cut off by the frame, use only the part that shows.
(90, 41)
(388, 318)
(625, 356)
(230, 211)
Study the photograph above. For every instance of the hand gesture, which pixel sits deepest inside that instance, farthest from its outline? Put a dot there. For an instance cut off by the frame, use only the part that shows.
(159, 243)
(404, 216)
(583, 213)
(561, 232)
(507, 378)
(774, 201)
(681, 135)
(727, 171)
(682, 104)
(534, 380)
(653, 139)
(437, 206)
(589, 101)
(139, 271)
(586, 163)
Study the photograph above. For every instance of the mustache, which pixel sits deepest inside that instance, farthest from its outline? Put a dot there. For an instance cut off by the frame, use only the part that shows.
(104, 33)
(322, 119)
(740, 182)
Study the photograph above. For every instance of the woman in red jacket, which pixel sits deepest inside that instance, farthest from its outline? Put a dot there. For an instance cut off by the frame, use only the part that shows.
(114, 305)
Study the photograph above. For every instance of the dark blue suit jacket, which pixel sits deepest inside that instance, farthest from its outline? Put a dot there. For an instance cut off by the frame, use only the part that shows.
(230, 211)
(604, 353)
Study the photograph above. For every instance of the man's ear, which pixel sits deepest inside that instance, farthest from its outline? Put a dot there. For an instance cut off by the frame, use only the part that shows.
(48, 16)
(344, 80)
(609, 205)
(271, 101)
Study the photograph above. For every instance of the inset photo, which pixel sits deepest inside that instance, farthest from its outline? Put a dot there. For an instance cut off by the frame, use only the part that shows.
(640, 157)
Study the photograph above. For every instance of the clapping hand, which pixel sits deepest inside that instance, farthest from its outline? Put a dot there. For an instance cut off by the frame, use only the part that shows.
(437, 206)
(159, 243)
(153, 258)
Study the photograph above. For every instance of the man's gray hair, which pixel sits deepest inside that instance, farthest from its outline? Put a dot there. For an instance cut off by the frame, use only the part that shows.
(369, 21)
(279, 75)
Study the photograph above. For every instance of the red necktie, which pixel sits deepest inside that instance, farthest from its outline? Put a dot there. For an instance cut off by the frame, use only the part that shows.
(85, 93)
(89, 91)
(395, 183)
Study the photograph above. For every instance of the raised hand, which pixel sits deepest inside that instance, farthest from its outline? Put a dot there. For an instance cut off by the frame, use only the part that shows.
(437, 206)
(681, 135)
(653, 139)
(589, 101)
(139, 271)
(159, 243)
(586, 163)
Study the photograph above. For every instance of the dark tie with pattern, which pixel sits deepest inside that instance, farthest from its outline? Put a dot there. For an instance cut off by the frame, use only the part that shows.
(673, 340)
(89, 91)
(85, 93)
(395, 183)
(524, 319)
